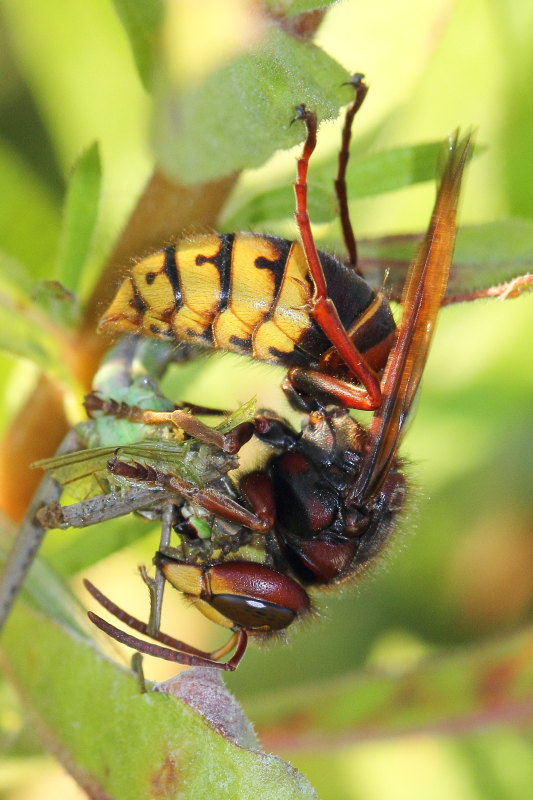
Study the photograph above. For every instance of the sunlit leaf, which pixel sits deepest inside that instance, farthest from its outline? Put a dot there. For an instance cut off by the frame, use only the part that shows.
(79, 218)
(167, 748)
(142, 22)
(24, 330)
(15, 283)
(245, 413)
(251, 118)
(57, 302)
(370, 175)
(29, 216)
(393, 169)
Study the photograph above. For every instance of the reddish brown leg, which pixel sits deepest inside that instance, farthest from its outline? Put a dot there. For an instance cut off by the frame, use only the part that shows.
(230, 442)
(207, 411)
(320, 384)
(361, 90)
(322, 308)
(257, 489)
(213, 501)
(175, 651)
(94, 402)
(136, 624)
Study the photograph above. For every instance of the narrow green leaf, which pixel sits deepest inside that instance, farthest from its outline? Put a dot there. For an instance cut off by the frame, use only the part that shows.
(45, 592)
(15, 282)
(24, 329)
(79, 218)
(368, 176)
(142, 22)
(393, 169)
(485, 255)
(457, 691)
(21, 337)
(250, 119)
(167, 749)
(260, 211)
(29, 216)
(42, 301)
(495, 252)
(57, 302)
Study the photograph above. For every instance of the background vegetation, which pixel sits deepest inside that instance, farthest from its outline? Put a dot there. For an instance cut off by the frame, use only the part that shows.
(461, 573)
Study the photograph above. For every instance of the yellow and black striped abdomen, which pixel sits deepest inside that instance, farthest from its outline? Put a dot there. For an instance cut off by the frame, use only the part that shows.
(246, 293)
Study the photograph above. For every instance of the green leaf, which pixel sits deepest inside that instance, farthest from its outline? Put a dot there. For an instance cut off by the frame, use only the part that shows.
(142, 22)
(263, 209)
(457, 691)
(393, 169)
(59, 304)
(167, 748)
(43, 301)
(47, 594)
(77, 550)
(245, 413)
(24, 330)
(367, 176)
(15, 283)
(485, 255)
(79, 218)
(29, 216)
(250, 119)
(494, 252)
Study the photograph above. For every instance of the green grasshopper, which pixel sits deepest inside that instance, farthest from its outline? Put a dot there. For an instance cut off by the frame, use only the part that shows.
(90, 464)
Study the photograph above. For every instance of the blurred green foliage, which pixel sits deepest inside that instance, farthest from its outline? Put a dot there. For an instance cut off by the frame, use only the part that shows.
(461, 570)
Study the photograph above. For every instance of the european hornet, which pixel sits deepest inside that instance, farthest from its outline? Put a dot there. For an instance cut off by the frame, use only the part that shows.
(325, 503)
